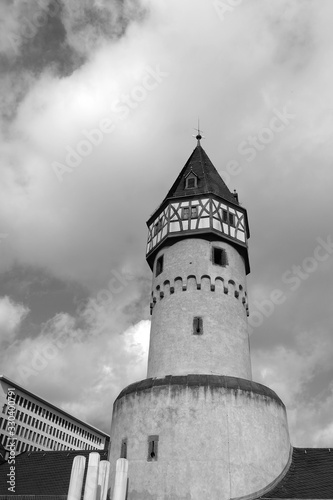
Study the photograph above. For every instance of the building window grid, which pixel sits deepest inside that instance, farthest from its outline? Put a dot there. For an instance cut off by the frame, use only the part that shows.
(29, 420)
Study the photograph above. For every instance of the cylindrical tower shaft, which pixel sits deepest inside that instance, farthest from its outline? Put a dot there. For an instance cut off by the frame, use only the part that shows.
(199, 313)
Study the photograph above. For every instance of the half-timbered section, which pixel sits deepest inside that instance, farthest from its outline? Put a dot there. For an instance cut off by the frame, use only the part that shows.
(198, 204)
(197, 215)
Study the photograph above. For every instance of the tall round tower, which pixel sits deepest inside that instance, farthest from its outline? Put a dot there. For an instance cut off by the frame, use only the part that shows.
(198, 427)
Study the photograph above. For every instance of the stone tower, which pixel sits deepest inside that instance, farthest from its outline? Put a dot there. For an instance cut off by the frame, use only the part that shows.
(197, 427)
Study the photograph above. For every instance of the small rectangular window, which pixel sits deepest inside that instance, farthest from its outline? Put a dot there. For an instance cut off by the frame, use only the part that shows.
(185, 213)
(194, 212)
(123, 448)
(159, 265)
(152, 448)
(220, 257)
(228, 217)
(197, 326)
(157, 226)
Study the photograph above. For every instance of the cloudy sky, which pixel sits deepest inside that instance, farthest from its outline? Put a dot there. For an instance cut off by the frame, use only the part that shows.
(98, 104)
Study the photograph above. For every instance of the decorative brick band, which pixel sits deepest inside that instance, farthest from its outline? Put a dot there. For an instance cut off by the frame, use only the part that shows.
(213, 382)
(205, 283)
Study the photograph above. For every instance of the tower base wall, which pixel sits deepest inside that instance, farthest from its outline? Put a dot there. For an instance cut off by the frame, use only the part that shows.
(216, 437)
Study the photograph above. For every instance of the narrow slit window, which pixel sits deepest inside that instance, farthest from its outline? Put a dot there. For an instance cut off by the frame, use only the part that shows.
(225, 216)
(159, 265)
(152, 448)
(231, 219)
(220, 257)
(197, 325)
(123, 449)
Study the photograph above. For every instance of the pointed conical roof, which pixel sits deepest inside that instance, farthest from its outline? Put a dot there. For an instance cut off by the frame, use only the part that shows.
(209, 180)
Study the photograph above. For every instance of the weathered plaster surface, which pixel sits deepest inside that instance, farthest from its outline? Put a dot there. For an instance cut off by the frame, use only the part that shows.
(214, 442)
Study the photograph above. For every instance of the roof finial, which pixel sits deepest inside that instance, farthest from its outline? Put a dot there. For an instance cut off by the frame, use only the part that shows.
(198, 136)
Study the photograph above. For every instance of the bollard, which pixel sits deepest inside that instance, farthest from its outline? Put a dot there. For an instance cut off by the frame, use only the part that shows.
(76, 480)
(103, 479)
(120, 482)
(90, 489)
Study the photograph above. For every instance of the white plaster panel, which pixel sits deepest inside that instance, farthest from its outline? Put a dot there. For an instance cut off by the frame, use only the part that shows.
(214, 443)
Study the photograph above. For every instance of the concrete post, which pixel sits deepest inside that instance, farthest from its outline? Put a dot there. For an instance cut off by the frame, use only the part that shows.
(90, 489)
(103, 479)
(120, 482)
(76, 480)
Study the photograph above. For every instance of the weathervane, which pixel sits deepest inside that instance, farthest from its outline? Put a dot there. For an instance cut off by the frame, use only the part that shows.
(198, 136)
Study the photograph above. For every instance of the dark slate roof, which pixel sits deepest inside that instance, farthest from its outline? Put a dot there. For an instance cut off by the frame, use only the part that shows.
(197, 380)
(310, 475)
(43, 473)
(209, 180)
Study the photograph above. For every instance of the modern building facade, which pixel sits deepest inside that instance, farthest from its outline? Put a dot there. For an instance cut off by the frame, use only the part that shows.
(198, 426)
(35, 424)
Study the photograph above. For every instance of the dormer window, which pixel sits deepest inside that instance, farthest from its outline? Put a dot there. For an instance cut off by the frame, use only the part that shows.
(191, 181)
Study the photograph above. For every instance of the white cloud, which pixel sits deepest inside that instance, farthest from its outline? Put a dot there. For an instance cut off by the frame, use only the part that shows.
(11, 317)
(89, 357)
(289, 371)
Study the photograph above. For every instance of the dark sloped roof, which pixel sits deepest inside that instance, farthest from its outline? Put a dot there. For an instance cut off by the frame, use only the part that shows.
(209, 180)
(310, 475)
(43, 472)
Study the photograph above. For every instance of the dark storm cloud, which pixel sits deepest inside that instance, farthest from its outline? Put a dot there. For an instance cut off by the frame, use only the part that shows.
(47, 35)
